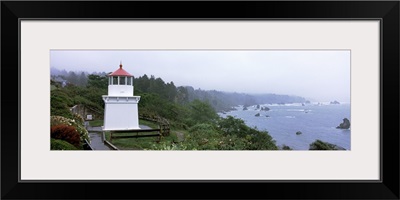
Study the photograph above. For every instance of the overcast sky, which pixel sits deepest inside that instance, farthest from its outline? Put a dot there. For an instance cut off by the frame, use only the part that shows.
(315, 75)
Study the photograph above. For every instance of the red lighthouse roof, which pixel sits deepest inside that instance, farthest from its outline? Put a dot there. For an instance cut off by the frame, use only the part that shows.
(120, 72)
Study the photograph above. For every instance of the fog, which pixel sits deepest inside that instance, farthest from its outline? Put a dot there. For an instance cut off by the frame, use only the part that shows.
(315, 75)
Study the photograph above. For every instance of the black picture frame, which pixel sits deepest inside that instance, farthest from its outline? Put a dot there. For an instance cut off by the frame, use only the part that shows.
(386, 11)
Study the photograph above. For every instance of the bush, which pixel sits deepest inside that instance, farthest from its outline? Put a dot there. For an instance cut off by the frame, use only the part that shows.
(83, 101)
(67, 133)
(233, 126)
(78, 119)
(200, 112)
(202, 137)
(231, 142)
(207, 129)
(61, 145)
(261, 140)
(60, 102)
(320, 145)
(77, 123)
(252, 138)
(207, 137)
(171, 147)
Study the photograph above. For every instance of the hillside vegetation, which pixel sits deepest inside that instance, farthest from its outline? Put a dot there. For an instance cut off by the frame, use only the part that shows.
(192, 112)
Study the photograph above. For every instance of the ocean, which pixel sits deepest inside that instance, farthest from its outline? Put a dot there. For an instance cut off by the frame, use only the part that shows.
(314, 121)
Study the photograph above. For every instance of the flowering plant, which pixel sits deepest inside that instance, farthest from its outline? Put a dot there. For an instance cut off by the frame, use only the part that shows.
(78, 124)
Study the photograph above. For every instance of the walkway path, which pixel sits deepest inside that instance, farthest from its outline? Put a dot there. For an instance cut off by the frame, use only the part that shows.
(95, 135)
(96, 141)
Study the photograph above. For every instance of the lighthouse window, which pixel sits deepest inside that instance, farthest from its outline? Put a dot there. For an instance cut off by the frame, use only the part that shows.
(109, 81)
(129, 81)
(115, 80)
(122, 80)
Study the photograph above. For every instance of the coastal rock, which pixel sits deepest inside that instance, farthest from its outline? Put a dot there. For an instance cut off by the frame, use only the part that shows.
(266, 115)
(257, 115)
(245, 108)
(335, 102)
(285, 147)
(299, 133)
(265, 108)
(345, 124)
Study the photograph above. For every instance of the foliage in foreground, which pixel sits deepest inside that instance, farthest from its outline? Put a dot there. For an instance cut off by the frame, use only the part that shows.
(320, 145)
(254, 139)
(226, 134)
(76, 122)
(66, 133)
(206, 136)
(61, 145)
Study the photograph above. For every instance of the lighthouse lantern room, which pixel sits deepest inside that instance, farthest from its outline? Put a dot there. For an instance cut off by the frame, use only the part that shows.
(121, 107)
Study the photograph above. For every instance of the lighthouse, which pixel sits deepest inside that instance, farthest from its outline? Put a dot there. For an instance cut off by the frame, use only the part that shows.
(121, 107)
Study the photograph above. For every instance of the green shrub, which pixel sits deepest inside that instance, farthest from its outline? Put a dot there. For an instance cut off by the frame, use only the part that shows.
(83, 101)
(202, 137)
(171, 147)
(231, 142)
(200, 112)
(320, 145)
(207, 129)
(233, 126)
(62, 97)
(261, 140)
(59, 104)
(61, 145)
(207, 137)
(252, 139)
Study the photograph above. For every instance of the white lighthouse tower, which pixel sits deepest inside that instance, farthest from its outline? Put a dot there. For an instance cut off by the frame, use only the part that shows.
(121, 107)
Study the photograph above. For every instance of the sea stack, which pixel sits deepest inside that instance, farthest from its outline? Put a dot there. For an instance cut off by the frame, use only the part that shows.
(345, 124)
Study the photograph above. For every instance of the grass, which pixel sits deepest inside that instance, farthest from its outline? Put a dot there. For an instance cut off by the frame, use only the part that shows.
(142, 143)
(98, 122)
(148, 123)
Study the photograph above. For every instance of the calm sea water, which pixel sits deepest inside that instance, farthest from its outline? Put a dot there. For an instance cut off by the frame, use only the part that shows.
(313, 120)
